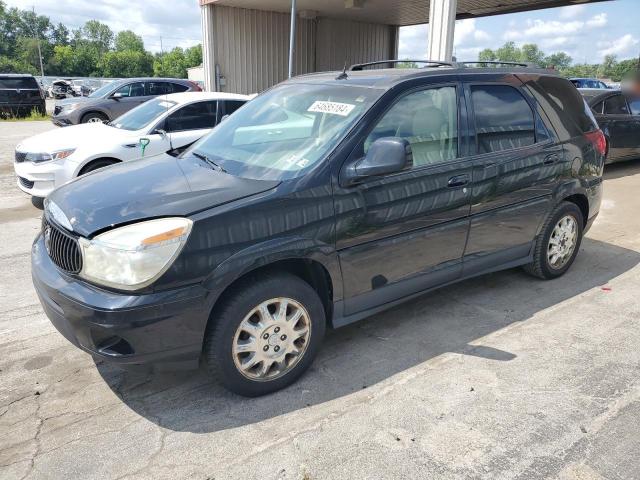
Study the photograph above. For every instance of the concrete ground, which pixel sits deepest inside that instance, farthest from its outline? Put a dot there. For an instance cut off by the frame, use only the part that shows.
(501, 377)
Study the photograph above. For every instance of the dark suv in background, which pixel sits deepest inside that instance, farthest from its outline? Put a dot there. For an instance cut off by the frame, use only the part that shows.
(112, 100)
(326, 199)
(20, 95)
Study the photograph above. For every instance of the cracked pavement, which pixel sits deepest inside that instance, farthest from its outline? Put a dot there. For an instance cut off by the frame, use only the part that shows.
(500, 377)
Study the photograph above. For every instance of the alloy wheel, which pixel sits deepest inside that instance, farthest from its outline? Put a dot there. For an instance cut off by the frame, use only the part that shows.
(271, 339)
(562, 242)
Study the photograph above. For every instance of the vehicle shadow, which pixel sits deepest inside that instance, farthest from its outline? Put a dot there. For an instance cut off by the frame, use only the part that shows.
(363, 354)
(621, 169)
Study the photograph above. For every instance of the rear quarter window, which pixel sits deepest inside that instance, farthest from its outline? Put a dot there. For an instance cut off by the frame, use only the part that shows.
(563, 104)
(13, 82)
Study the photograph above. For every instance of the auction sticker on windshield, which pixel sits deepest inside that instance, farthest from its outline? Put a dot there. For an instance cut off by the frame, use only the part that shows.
(335, 108)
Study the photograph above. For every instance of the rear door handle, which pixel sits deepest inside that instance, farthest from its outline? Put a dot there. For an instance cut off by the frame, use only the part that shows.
(550, 159)
(458, 181)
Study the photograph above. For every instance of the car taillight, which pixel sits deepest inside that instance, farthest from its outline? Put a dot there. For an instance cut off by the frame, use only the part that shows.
(598, 140)
(196, 87)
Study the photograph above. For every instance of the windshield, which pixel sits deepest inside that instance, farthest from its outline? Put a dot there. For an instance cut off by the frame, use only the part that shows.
(102, 91)
(285, 131)
(143, 115)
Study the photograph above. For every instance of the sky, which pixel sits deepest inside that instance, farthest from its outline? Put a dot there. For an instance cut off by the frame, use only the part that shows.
(585, 32)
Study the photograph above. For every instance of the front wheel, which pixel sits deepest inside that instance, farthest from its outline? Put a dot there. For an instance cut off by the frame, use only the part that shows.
(266, 335)
(558, 243)
(94, 117)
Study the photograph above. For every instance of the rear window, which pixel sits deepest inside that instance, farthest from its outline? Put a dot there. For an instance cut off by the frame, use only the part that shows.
(19, 82)
(567, 110)
(178, 87)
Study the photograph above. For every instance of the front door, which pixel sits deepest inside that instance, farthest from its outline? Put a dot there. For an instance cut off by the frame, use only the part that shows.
(516, 165)
(405, 232)
(190, 123)
(127, 97)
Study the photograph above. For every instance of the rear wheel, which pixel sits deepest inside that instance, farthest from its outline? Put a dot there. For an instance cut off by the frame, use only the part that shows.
(265, 335)
(558, 243)
(94, 117)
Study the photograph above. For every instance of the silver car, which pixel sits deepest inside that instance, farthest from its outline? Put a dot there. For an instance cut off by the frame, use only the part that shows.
(112, 100)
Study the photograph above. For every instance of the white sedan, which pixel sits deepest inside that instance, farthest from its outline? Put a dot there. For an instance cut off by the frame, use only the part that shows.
(167, 124)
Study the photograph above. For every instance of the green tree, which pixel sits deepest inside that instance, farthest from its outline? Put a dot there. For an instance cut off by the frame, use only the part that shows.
(11, 65)
(126, 40)
(487, 55)
(559, 61)
(608, 65)
(531, 53)
(126, 64)
(193, 56)
(171, 64)
(98, 34)
(509, 52)
(59, 35)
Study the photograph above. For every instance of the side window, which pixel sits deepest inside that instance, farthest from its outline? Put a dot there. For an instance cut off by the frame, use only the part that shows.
(503, 118)
(634, 105)
(158, 88)
(194, 116)
(231, 106)
(428, 120)
(132, 90)
(616, 105)
(597, 108)
(178, 87)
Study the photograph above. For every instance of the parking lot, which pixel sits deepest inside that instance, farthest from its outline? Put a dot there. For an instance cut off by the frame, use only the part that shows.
(504, 376)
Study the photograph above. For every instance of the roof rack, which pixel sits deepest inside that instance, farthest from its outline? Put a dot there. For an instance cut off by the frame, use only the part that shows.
(434, 63)
(497, 62)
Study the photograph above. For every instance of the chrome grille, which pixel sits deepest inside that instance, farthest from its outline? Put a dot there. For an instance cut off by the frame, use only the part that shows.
(20, 156)
(25, 183)
(63, 249)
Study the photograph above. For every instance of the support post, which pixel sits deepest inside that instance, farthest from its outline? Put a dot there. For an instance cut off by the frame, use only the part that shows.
(442, 23)
(292, 38)
(208, 48)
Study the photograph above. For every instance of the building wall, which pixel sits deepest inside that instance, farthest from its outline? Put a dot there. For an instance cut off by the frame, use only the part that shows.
(344, 41)
(252, 46)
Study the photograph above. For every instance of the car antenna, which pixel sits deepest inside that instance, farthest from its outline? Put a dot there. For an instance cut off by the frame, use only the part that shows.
(343, 75)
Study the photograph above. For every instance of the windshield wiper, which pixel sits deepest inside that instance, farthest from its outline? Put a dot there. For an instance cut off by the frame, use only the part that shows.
(202, 156)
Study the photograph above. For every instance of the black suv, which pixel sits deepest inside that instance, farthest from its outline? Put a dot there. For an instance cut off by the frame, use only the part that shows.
(326, 199)
(20, 95)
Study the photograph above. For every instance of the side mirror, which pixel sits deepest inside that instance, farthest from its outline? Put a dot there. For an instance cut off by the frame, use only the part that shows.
(386, 155)
(117, 96)
(161, 132)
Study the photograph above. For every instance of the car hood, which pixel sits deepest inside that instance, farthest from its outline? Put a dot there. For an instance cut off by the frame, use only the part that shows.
(160, 186)
(77, 100)
(75, 136)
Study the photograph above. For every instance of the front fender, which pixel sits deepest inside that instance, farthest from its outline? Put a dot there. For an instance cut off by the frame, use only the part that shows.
(267, 253)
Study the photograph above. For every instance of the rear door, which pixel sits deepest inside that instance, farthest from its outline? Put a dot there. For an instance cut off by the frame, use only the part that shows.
(619, 125)
(516, 164)
(634, 108)
(402, 233)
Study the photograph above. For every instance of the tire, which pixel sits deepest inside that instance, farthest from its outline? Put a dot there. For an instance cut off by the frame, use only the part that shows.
(38, 202)
(226, 334)
(542, 265)
(94, 117)
(96, 165)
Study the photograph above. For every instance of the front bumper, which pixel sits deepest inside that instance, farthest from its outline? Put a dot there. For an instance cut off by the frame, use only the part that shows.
(66, 118)
(40, 180)
(165, 329)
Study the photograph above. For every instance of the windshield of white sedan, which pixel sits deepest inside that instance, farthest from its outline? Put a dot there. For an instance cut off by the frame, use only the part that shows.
(143, 115)
(285, 131)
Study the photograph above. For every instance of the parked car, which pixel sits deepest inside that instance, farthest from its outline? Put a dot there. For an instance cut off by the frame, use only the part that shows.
(164, 124)
(618, 114)
(589, 83)
(20, 95)
(365, 189)
(114, 99)
(61, 88)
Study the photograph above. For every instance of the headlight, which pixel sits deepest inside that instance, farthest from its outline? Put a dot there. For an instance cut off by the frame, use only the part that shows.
(134, 256)
(47, 157)
(69, 107)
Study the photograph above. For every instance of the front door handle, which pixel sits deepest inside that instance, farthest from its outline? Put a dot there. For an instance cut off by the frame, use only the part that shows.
(550, 159)
(458, 181)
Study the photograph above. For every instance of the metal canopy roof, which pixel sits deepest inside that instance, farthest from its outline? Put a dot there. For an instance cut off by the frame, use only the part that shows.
(394, 12)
